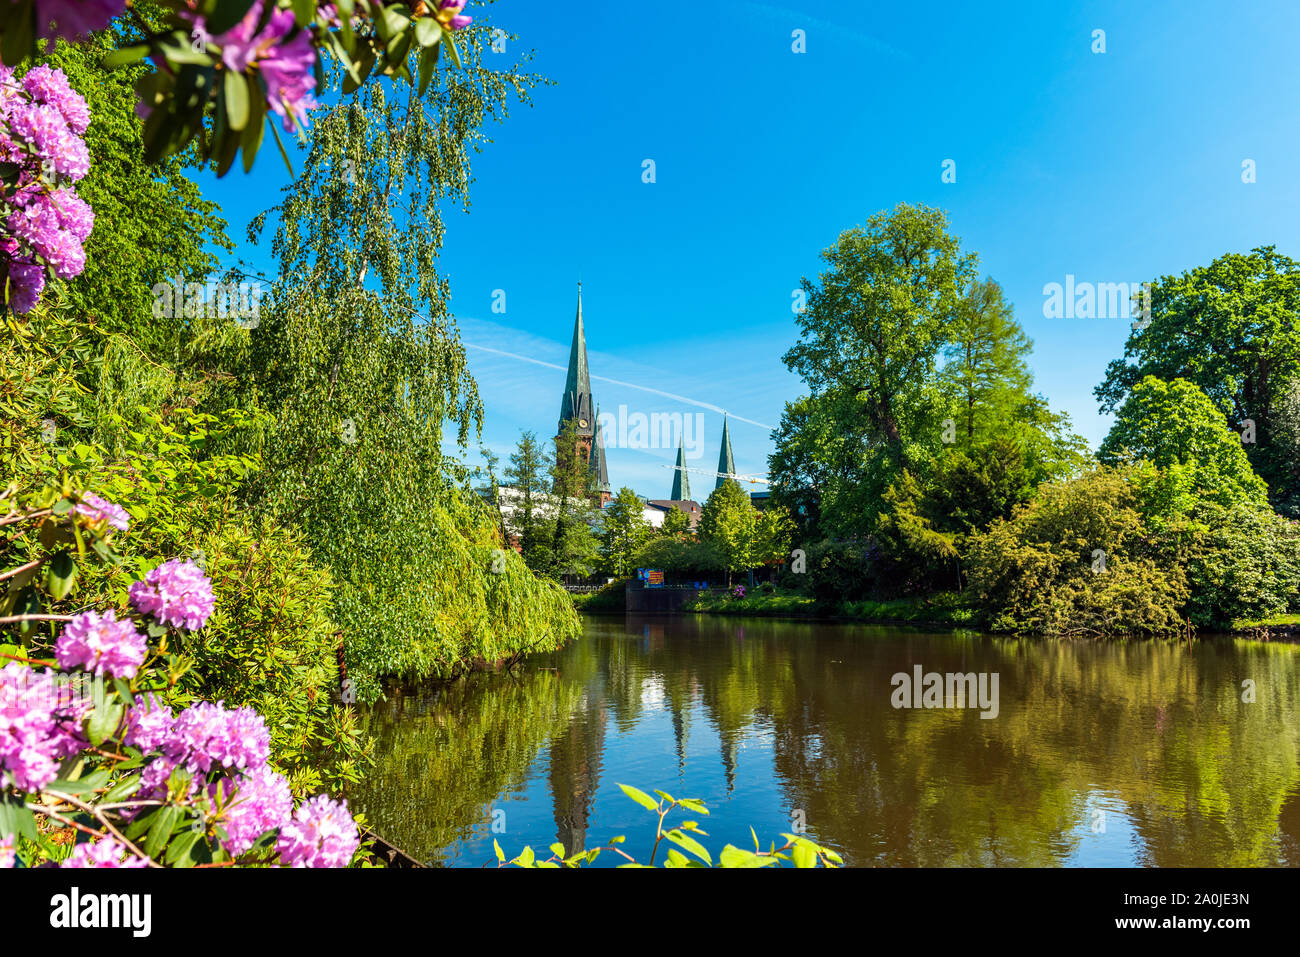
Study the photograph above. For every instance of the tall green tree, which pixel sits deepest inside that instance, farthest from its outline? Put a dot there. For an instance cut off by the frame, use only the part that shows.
(574, 545)
(360, 363)
(529, 474)
(728, 522)
(878, 315)
(870, 336)
(985, 368)
(1176, 427)
(624, 531)
(1231, 329)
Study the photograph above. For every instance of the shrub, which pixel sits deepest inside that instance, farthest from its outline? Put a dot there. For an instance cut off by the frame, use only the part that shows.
(1246, 566)
(1077, 560)
(95, 748)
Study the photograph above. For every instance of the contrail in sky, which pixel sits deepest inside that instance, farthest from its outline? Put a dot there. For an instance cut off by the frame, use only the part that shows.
(620, 382)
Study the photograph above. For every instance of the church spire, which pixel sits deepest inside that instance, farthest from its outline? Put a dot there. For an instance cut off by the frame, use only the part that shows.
(596, 461)
(576, 402)
(681, 483)
(726, 461)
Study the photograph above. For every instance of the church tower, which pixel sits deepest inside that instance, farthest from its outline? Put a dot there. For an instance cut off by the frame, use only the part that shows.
(596, 464)
(681, 484)
(578, 407)
(726, 461)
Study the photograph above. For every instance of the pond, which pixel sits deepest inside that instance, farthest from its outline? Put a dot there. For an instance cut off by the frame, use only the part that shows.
(1106, 753)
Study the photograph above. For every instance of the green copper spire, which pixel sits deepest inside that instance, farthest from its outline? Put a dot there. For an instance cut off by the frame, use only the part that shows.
(576, 402)
(596, 461)
(681, 484)
(726, 461)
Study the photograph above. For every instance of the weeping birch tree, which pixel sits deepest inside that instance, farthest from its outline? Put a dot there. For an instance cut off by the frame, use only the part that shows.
(360, 362)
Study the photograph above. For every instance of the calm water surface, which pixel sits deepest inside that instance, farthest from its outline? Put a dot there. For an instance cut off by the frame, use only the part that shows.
(1102, 753)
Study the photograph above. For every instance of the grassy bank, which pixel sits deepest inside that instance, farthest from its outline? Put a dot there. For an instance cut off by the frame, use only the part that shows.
(611, 599)
(947, 609)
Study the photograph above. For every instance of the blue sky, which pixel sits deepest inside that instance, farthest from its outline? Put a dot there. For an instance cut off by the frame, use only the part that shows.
(1113, 167)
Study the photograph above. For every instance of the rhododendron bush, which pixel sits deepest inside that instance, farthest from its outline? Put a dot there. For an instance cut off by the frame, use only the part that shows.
(43, 221)
(89, 750)
(233, 61)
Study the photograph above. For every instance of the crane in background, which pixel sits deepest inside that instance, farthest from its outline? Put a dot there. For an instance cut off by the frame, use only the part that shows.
(751, 479)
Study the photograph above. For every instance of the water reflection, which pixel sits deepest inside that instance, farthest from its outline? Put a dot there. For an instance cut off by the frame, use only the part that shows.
(1101, 754)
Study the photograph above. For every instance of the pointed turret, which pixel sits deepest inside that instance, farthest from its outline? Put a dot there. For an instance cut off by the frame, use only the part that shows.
(596, 461)
(576, 402)
(726, 461)
(681, 484)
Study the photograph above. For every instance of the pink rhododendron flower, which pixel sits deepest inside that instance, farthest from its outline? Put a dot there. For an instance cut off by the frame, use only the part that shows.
(106, 852)
(207, 735)
(49, 86)
(148, 723)
(42, 120)
(321, 834)
(97, 509)
(75, 18)
(8, 858)
(261, 802)
(39, 726)
(287, 67)
(102, 645)
(449, 14)
(176, 593)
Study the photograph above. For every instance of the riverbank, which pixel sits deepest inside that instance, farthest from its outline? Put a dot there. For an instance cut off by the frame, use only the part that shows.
(941, 610)
(945, 609)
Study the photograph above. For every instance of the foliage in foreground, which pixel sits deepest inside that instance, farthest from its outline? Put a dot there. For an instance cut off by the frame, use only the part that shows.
(797, 850)
(96, 769)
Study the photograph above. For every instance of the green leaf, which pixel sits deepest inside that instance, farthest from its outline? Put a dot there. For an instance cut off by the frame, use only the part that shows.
(676, 859)
(733, 856)
(16, 819)
(501, 855)
(304, 11)
(103, 721)
(160, 831)
(125, 55)
(427, 31)
(178, 854)
(236, 100)
(60, 575)
(804, 855)
(451, 49)
(645, 800)
(428, 66)
(682, 839)
(18, 39)
(122, 790)
(278, 142)
(91, 782)
(251, 141)
(557, 849)
(694, 804)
